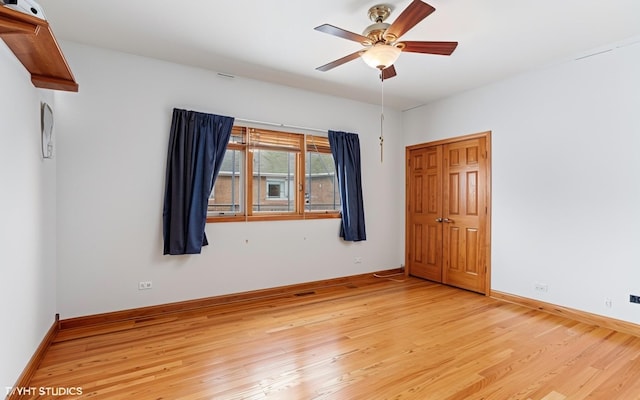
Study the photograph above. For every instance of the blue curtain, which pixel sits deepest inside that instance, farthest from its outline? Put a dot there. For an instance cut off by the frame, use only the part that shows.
(197, 144)
(345, 148)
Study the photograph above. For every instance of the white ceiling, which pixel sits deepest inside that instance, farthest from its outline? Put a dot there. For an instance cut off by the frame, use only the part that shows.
(275, 41)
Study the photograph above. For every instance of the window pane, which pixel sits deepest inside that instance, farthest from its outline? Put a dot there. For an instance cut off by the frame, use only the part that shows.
(274, 181)
(322, 193)
(227, 194)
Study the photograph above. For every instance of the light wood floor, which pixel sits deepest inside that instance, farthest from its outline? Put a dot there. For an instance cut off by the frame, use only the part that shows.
(376, 339)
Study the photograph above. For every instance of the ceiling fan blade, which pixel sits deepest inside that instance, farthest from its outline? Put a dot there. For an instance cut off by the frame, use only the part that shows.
(414, 13)
(339, 32)
(440, 48)
(389, 72)
(340, 61)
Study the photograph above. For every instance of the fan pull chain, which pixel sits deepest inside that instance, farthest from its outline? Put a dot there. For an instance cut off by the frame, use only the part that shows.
(381, 114)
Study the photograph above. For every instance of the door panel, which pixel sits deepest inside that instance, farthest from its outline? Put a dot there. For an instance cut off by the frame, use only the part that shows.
(424, 233)
(464, 226)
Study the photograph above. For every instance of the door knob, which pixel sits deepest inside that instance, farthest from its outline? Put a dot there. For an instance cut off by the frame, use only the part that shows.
(438, 219)
(448, 221)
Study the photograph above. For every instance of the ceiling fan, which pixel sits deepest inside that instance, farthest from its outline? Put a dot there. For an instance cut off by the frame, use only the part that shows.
(380, 40)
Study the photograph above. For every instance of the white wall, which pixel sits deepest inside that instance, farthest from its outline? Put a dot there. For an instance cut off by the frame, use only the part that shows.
(27, 222)
(566, 177)
(112, 145)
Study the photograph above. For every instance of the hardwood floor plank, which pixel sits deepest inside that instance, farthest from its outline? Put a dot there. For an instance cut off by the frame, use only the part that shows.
(378, 339)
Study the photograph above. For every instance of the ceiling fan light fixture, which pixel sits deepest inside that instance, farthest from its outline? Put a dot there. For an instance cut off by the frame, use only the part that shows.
(381, 55)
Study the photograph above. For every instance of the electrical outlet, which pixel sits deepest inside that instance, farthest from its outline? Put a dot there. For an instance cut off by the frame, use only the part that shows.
(357, 260)
(608, 302)
(144, 285)
(634, 298)
(541, 287)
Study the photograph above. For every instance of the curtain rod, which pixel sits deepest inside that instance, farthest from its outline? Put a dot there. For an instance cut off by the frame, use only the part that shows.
(252, 121)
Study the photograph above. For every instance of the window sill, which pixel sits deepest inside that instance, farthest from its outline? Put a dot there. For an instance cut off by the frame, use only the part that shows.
(274, 217)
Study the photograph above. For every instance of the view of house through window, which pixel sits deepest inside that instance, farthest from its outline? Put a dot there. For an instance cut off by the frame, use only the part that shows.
(292, 176)
(273, 178)
(228, 191)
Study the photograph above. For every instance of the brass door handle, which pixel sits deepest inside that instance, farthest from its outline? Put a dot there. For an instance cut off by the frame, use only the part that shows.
(448, 221)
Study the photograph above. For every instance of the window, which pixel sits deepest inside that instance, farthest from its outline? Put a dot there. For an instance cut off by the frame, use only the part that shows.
(321, 186)
(275, 189)
(292, 176)
(228, 192)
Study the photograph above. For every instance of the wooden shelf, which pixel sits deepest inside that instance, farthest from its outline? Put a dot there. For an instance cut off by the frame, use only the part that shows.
(32, 41)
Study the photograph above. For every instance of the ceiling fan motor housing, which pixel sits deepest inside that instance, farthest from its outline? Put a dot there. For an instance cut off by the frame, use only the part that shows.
(375, 32)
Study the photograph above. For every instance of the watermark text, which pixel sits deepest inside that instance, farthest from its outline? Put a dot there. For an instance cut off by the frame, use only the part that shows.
(43, 391)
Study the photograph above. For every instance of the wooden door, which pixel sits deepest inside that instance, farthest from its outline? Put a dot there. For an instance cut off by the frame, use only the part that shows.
(464, 214)
(447, 220)
(424, 211)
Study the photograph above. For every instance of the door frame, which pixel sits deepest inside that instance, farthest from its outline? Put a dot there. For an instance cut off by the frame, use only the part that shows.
(487, 244)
